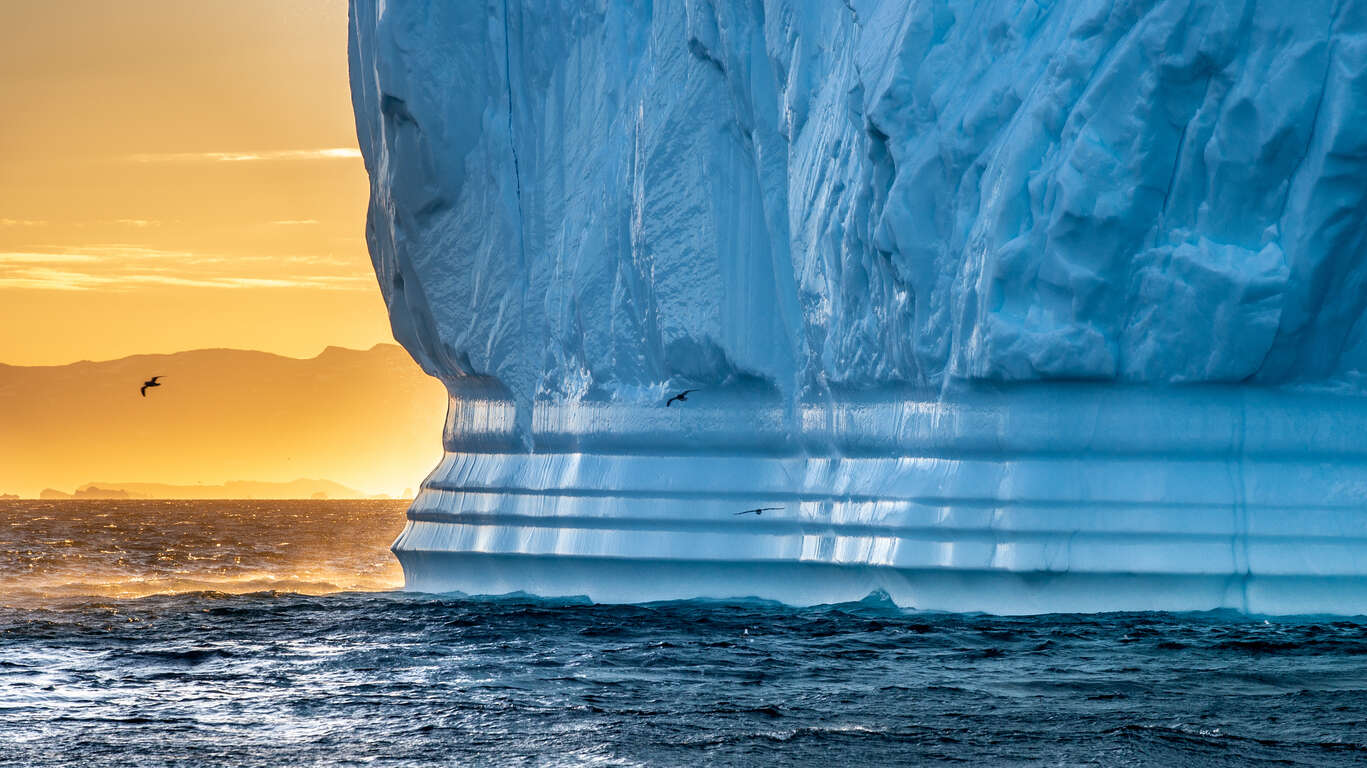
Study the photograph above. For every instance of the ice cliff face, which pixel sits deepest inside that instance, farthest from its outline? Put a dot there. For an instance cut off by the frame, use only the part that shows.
(878, 237)
(580, 198)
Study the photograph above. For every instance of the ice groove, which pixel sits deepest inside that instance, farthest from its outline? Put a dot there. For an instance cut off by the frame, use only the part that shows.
(808, 498)
(812, 527)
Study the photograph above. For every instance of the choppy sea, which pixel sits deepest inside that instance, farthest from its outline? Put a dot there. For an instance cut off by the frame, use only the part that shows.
(271, 633)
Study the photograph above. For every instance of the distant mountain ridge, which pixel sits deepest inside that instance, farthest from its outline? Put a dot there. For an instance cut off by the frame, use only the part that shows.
(369, 420)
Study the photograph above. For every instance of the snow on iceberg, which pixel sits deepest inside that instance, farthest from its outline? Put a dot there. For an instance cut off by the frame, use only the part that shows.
(1008, 307)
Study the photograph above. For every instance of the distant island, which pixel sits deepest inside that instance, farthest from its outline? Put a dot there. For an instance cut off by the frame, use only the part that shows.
(238, 489)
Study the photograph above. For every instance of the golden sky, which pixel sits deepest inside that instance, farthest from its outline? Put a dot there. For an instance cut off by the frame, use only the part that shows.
(179, 174)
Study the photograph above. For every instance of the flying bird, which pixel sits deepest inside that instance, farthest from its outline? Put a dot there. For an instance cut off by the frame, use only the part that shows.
(681, 397)
(759, 511)
(152, 382)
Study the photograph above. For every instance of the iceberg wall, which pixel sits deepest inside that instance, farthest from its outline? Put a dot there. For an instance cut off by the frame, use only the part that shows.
(994, 306)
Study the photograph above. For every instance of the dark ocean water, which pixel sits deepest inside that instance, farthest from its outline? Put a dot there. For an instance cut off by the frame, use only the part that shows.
(96, 670)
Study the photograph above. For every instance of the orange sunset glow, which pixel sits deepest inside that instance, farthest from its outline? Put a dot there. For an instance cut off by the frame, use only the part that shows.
(177, 176)
(182, 176)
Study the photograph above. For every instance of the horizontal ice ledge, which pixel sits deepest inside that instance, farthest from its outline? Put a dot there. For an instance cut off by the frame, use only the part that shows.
(1022, 499)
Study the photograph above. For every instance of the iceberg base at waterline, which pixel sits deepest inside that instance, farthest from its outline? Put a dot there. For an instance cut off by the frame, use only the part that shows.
(1013, 499)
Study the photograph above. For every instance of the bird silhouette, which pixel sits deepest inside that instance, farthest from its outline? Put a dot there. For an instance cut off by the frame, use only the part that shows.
(759, 511)
(681, 397)
(152, 382)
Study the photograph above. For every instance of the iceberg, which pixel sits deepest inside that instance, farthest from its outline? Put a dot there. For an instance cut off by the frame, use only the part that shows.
(991, 306)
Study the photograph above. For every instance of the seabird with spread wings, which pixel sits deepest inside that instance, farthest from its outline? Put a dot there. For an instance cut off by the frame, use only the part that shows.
(681, 397)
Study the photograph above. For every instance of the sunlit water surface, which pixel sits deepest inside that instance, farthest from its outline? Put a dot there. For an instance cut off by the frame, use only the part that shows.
(121, 645)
